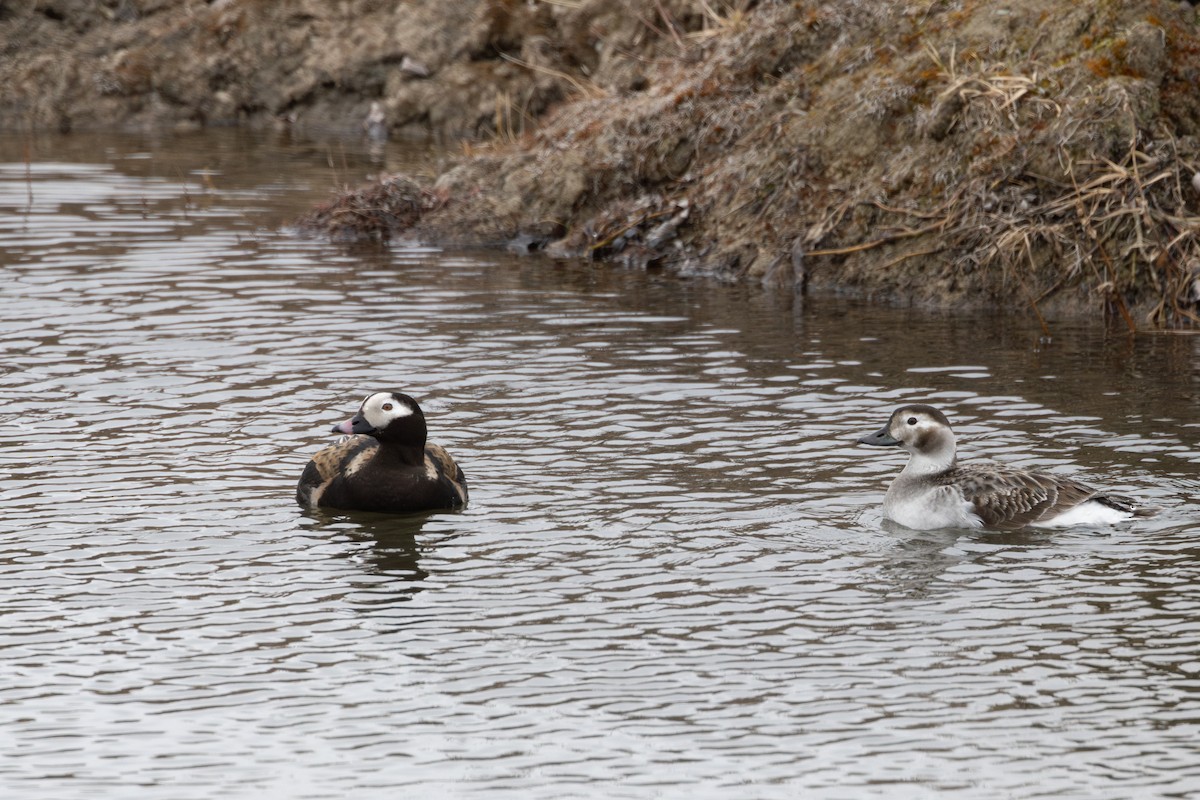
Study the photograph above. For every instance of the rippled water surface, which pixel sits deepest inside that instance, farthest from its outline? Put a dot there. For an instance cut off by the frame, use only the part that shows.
(673, 579)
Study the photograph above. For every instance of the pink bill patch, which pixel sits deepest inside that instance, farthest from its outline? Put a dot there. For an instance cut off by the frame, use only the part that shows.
(343, 427)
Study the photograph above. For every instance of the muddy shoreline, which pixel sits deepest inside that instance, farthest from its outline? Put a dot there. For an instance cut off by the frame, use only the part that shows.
(1036, 156)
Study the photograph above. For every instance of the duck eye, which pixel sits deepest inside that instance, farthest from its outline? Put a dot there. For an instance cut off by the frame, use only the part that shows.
(387, 406)
(912, 420)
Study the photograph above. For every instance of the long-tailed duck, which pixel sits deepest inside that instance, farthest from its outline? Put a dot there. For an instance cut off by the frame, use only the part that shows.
(384, 465)
(933, 491)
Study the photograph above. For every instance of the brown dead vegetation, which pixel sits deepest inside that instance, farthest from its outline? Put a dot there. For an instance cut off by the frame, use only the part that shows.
(904, 151)
(373, 213)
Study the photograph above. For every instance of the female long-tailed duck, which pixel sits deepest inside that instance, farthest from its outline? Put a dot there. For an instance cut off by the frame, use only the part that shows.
(384, 465)
(933, 491)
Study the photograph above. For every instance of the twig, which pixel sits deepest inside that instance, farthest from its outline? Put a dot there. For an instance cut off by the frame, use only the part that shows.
(841, 251)
(1025, 286)
(939, 212)
(591, 90)
(28, 182)
(1113, 292)
(670, 23)
(613, 236)
(906, 256)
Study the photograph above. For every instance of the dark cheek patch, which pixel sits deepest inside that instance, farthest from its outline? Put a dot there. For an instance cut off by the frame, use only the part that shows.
(924, 440)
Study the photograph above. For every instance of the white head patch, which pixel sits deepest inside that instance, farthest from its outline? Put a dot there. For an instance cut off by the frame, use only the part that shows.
(927, 435)
(381, 408)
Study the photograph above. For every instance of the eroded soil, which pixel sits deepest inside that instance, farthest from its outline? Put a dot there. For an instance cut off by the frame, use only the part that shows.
(1036, 154)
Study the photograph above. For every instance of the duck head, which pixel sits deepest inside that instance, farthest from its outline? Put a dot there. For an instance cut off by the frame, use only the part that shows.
(921, 430)
(387, 416)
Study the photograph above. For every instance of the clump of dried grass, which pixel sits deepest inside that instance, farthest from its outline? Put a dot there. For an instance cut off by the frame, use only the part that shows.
(1120, 225)
(375, 212)
(994, 88)
(1123, 225)
(725, 19)
(1127, 223)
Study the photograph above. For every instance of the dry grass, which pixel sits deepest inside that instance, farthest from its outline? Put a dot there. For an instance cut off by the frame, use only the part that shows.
(585, 88)
(1122, 225)
(993, 86)
(733, 19)
(732, 135)
(372, 213)
(507, 120)
(1111, 218)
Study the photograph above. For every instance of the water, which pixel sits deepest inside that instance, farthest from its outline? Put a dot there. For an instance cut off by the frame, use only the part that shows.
(672, 580)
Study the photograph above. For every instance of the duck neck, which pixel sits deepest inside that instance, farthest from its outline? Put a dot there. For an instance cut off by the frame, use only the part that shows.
(406, 453)
(933, 457)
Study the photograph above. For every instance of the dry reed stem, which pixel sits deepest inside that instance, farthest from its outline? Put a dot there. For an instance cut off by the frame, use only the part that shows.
(670, 23)
(733, 22)
(587, 89)
(902, 258)
(616, 234)
(895, 237)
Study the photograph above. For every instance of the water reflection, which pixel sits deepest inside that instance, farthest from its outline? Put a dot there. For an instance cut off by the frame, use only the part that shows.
(918, 560)
(673, 577)
(391, 540)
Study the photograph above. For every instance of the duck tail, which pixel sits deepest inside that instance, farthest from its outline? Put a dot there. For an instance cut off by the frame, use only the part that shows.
(1127, 504)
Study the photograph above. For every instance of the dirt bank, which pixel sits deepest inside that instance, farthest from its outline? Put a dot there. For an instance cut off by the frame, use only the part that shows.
(1034, 154)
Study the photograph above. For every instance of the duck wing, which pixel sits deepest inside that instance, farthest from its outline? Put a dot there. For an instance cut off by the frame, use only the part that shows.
(342, 457)
(1014, 498)
(448, 473)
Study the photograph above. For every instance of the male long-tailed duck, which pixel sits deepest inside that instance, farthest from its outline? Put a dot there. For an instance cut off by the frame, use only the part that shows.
(933, 491)
(384, 465)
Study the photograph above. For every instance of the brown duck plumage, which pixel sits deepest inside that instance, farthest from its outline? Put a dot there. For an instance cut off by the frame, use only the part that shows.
(385, 464)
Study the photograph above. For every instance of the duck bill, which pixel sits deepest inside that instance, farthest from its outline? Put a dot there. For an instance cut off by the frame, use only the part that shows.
(880, 438)
(356, 424)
